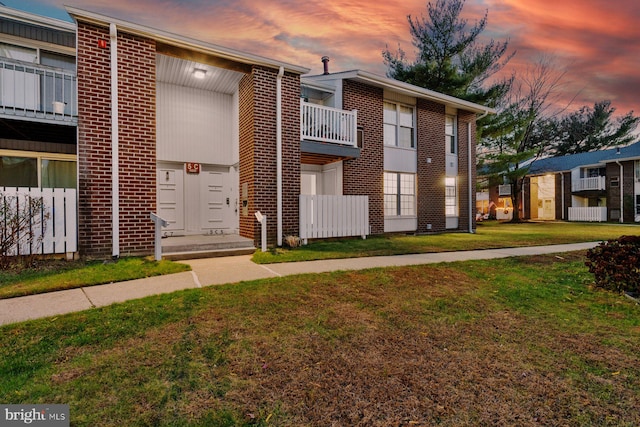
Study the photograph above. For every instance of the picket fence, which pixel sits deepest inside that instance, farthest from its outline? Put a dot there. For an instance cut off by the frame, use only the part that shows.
(54, 227)
(323, 216)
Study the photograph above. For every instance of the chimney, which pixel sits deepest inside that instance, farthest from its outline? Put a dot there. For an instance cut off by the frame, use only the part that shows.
(325, 61)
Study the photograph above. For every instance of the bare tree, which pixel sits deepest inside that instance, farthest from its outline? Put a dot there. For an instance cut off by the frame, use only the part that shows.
(511, 141)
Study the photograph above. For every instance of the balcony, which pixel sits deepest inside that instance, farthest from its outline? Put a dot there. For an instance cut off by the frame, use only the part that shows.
(325, 124)
(37, 93)
(597, 183)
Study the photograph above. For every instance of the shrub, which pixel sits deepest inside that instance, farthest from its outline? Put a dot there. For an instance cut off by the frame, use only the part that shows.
(616, 264)
(23, 221)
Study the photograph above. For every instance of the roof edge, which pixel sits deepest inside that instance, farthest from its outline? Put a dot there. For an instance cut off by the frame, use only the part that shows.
(407, 88)
(34, 19)
(182, 41)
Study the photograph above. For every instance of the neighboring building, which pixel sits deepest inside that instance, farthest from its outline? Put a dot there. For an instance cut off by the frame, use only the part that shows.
(39, 114)
(207, 136)
(596, 186)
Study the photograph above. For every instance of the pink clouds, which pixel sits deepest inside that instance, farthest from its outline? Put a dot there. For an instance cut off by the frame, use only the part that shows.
(596, 41)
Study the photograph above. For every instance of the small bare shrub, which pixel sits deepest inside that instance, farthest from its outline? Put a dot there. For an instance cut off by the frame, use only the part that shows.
(23, 223)
(292, 241)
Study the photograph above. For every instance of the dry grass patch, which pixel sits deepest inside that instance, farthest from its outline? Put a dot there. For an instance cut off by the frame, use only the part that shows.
(428, 345)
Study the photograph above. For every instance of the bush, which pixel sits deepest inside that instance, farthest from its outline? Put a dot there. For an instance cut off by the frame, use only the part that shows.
(616, 264)
(23, 220)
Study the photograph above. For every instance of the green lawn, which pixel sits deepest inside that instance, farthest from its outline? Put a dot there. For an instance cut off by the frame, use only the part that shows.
(58, 275)
(66, 275)
(489, 235)
(518, 341)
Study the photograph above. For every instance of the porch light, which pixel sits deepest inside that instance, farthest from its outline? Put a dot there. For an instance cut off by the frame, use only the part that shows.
(199, 73)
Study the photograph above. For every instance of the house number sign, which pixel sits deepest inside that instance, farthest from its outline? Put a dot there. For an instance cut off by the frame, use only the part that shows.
(193, 168)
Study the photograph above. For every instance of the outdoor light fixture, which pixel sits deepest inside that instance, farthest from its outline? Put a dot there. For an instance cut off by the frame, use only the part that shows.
(199, 73)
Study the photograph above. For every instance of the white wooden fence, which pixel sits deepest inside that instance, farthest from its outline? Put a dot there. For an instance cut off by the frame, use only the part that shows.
(55, 226)
(588, 214)
(333, 216)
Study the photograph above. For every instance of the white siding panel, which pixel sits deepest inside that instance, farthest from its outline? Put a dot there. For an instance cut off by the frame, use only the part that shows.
(400, 160)
(195, 125)
(397, 97)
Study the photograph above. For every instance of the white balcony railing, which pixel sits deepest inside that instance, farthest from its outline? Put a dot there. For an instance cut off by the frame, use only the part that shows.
(588, 214)
(326, 124)
(37, 92)
(585, 184)
(333, 216)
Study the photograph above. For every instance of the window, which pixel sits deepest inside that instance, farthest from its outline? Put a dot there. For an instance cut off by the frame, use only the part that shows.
(37, 172)
(399, 194)
(615, 181)
(398, 125)
(637, 162)
(18, 172)
(450, 135)
(451, 197)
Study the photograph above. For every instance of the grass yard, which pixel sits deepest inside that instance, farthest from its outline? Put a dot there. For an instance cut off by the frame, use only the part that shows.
(57, 275)
(489, 235)
(518, 341)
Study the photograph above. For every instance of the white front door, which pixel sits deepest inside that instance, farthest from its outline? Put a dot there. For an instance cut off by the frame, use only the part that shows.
(170, 196)
(198, 203)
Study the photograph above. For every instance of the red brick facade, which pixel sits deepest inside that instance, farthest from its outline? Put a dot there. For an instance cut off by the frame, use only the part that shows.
(137, 153)
(464, 118)
(431, 174)
(364, 175)
(258, 152)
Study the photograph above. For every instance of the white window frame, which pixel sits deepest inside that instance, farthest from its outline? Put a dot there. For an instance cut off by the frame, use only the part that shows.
(40, 156)
(451, 137)
(398, 125)
(451, 204)
(404, 202)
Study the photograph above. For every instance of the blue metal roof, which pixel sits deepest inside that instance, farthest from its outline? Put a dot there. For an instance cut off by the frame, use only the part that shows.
(572, 161)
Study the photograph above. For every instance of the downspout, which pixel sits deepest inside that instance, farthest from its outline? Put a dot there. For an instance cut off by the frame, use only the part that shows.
(469, 180)
(279, 152)
(562, 193)
(621, 190)
(115, 178)
(469, 170)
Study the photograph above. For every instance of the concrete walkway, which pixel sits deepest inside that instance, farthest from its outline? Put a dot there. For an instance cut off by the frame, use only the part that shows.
(216, 271)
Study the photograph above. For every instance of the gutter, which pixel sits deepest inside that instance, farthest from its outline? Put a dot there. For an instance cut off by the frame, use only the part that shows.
(279, 151)
(115, 177)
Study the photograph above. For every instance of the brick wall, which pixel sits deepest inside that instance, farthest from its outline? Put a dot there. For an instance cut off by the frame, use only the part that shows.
(464, 118)
(431, 144)
(364, 175)
(258, 151)
(137, 165)
(626, 184)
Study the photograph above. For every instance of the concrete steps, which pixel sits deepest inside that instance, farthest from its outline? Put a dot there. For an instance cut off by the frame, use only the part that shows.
(205, 246)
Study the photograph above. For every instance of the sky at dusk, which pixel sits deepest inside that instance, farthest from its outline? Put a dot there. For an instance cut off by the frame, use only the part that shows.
(596, 42)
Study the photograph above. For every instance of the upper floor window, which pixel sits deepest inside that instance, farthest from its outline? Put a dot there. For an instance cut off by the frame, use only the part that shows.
(37, 56)
(398, 125)
(637, 162)
(18, 53)
(450, 134)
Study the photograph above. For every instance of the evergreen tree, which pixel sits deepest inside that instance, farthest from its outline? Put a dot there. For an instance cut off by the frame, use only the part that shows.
(450, 59)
